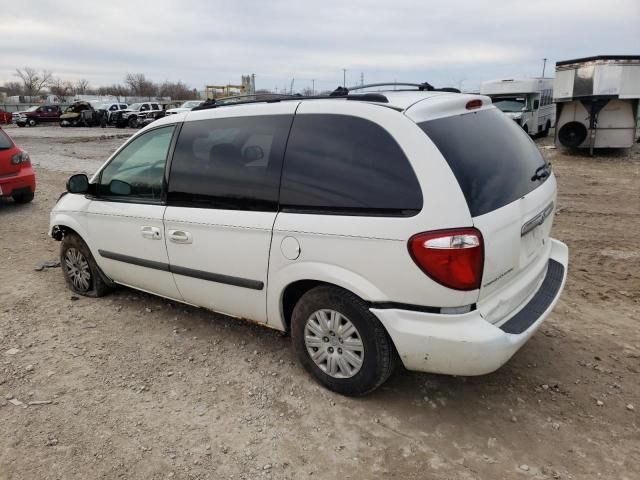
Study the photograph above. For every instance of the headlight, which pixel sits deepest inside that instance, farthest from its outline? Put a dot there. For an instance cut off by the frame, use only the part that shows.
(21, 158)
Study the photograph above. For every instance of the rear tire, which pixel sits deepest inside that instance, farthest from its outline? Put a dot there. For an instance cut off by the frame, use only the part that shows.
(81, 273)
(340, 342)
(547, 127)
(23, 197)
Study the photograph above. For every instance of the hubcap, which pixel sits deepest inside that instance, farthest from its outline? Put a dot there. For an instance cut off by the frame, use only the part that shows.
(77, 269)
(334, 343)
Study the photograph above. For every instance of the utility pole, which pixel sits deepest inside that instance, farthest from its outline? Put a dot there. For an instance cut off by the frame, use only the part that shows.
(313, 86)
(361, 78)
(544, 66)
(344, 77)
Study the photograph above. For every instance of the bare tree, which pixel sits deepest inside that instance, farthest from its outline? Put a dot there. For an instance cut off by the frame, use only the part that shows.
(61, 89)
(307, 92)
(33, 80)
(13, 88)
(82, 86)
(140, 86)
(117, 90)
(177, 91)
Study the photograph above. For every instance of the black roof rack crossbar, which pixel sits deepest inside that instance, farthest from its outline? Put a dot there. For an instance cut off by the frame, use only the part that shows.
(420, 86)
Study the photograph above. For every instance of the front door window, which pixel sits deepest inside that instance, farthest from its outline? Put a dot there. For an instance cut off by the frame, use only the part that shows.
(137, 172)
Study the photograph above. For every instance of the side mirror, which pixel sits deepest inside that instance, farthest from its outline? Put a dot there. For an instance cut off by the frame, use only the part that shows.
(536, 104)
(118, 187)
(78, 183)
(253, 153)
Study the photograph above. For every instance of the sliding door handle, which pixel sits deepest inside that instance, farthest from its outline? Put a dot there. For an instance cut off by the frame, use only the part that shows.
(180, 236)
(152, 233)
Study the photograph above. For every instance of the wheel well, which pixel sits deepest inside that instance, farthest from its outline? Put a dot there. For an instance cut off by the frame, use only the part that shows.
(59, 231)
(293, 293)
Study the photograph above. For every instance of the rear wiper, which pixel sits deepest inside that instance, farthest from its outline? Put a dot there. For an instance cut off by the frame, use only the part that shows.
(541, 172)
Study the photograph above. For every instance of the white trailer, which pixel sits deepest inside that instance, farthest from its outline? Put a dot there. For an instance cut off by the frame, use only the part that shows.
(527, 101)
(597, 101)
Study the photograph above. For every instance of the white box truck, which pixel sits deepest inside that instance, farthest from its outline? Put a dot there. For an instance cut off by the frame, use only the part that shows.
(527, 101)
(597, 101)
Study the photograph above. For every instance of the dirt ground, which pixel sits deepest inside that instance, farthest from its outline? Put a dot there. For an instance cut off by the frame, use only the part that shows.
(142, 388)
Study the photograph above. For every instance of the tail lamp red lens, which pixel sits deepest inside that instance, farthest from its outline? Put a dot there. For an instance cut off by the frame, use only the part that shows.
(453, 258)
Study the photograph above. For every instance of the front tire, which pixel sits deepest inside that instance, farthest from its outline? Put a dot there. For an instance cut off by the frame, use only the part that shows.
(340, 342)
(81, 273)
(133, 122)
(32, 122)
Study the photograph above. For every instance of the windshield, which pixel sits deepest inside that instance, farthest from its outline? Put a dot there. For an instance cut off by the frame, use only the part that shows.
(5, 141)
(135, 106)
(32, 109)
(510, 105)
(191, 104)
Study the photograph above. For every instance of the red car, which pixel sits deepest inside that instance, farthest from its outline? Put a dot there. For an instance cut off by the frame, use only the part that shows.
(17, 178)
(5, 117)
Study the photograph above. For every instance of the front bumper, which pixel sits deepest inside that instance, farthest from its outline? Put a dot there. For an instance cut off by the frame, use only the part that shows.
(24, 180)
(467, 344)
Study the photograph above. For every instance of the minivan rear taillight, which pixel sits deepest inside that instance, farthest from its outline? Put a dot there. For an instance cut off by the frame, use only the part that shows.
(453, 258)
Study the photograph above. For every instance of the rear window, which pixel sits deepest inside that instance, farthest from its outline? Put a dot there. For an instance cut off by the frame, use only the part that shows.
(5, 141)
(492, 158)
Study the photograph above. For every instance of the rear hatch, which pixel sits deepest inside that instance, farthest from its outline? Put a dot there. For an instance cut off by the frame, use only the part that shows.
(510, 191)
(7, 150)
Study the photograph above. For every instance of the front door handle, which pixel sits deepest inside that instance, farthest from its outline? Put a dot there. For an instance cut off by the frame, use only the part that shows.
(152, 233)
(180, 236)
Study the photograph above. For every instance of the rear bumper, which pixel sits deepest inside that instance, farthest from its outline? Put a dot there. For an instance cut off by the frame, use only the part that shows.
(23, 181)
(467, 344)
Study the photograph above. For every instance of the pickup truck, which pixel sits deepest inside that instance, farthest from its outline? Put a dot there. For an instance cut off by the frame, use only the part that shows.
(38, 114)
(137, 115)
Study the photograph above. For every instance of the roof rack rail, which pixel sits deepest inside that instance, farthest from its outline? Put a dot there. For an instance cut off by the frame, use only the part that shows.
(339, 93)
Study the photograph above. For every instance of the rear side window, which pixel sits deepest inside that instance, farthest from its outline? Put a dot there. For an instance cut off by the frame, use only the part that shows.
(492, 158)
(347, 165)
(229, 163)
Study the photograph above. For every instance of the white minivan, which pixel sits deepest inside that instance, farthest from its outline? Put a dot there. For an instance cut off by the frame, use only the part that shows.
(398, 226)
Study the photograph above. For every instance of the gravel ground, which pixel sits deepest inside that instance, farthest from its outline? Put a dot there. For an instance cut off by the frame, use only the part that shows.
(132, 386)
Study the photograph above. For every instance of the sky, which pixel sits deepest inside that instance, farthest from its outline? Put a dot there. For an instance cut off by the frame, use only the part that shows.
(447, 43)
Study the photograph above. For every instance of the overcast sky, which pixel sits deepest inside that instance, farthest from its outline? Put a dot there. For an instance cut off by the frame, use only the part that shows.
(447, 43)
